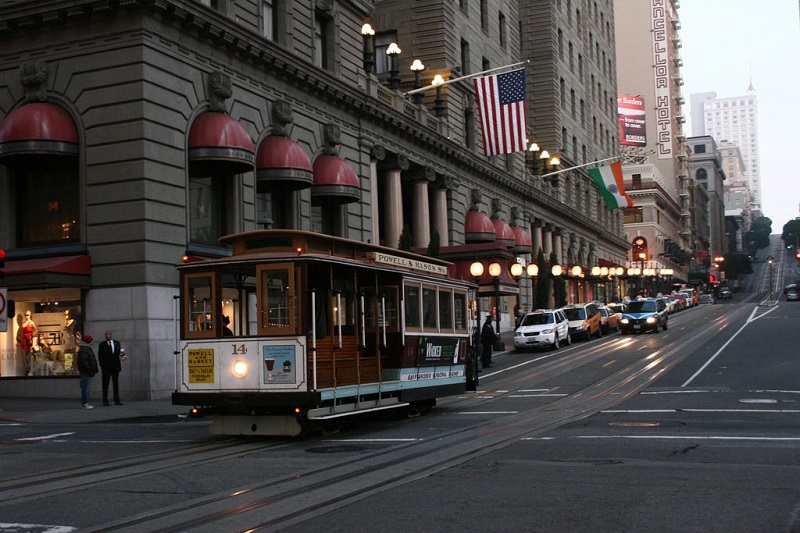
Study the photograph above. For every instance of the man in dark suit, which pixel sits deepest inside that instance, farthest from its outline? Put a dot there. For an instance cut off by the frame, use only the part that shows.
(108, 354)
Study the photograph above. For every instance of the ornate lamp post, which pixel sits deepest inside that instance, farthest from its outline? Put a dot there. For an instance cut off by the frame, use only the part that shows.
(417, 67)
(533, 272)
(495, 270)
(393, 51)
(476, 271)
(438, 104)
(369, 55)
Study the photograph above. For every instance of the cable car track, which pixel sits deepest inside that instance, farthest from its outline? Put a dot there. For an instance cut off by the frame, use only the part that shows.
(289, 499)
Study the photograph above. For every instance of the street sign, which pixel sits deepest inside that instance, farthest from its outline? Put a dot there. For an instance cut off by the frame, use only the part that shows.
(3, 310)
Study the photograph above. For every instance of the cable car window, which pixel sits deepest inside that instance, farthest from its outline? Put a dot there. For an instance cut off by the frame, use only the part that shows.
(446, 310)
(277, 299)
(460, 310)
(429, 308)
(200, 310)
(411, 297)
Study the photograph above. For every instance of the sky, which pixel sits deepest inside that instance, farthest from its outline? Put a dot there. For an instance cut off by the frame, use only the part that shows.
(725, 44)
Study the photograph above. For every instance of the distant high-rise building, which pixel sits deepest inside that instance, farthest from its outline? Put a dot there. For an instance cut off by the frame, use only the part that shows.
(733, 119)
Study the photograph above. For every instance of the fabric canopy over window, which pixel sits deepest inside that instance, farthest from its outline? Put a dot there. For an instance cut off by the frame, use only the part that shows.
(218, 143)
(334, 181)
(522, 240)
(38, 128)
(282, 163)
(61, 271)
(478, 228)
(503, 231)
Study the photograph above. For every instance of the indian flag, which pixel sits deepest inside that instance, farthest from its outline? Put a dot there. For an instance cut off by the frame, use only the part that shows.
(609, 181)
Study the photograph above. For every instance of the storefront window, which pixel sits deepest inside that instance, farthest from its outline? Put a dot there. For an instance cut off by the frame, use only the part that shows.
(41, 339)
(47, 199)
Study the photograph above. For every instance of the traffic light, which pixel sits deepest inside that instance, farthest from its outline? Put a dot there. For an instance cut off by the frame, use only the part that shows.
(711, 278)
(2, 263)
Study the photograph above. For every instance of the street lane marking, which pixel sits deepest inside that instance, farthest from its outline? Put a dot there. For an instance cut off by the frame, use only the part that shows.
(39, 528)
(537, 395)
(48, 437)
(372, 440)
(487, 412)
(639, 411)
(749, 319)
(687, 437)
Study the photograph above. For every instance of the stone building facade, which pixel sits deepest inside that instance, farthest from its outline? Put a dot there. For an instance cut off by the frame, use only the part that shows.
(135, 133)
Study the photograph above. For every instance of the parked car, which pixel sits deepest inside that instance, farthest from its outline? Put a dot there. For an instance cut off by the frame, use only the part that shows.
(609, 321)
(725, 292)
(645, 315)
(618, 308)
(691, 297)
(706, 298)
(584, 320)
(543, 327)
(792, 294)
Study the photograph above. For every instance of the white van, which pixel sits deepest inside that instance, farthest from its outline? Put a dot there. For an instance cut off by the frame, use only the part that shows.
(691, 297)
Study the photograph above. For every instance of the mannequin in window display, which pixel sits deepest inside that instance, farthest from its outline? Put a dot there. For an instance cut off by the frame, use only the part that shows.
(25, 334)
(69, 332)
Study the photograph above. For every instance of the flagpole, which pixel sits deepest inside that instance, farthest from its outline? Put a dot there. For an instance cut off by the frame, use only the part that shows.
(462, 78)
(581, 166)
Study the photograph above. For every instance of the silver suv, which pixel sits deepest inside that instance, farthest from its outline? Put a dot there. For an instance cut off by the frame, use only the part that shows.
(543, 327)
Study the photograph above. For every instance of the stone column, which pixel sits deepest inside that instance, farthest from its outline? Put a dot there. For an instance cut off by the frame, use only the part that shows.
(377, 154)
(394, 199)
(536, 239)
(439, 210)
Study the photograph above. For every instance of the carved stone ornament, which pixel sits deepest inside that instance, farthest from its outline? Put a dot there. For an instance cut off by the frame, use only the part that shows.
(33, 77)
(476, 196)
(219, 90)
(514, 216)
(378, 153)
(282, 118)
(331, 138)
(497, 208)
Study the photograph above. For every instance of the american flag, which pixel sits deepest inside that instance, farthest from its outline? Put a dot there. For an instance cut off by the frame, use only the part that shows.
(501, 100)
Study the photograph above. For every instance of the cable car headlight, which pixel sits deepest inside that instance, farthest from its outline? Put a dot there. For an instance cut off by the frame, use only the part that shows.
(239, 368)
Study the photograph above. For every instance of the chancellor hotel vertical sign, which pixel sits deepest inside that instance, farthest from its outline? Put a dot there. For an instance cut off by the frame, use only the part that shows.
(661, 76)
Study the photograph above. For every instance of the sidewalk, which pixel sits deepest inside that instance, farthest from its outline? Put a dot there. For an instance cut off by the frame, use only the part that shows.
(48, 410)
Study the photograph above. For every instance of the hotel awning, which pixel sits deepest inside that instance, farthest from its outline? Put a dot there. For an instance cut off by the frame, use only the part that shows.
(281, 163)
(44, 272)
(218, 142)
(38, 128)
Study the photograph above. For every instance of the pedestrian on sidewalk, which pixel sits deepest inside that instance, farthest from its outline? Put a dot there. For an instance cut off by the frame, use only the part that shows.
(488, 338)
(87, 368)
(110, 355)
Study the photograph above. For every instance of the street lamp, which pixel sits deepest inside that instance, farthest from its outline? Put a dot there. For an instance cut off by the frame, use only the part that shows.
(369, 55)
(393, 51)
(438, 103)
(476, 271)
(417, 67)
(533, 272)
(495, 270)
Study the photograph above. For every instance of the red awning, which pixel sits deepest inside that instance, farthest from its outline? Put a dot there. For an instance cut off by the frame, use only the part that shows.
(68, 264)
(38, 128)
(334, 181)
(503, 231)
(522, 240)
(218, 142)
(478, 228)
(282, 163)
(43, 272)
